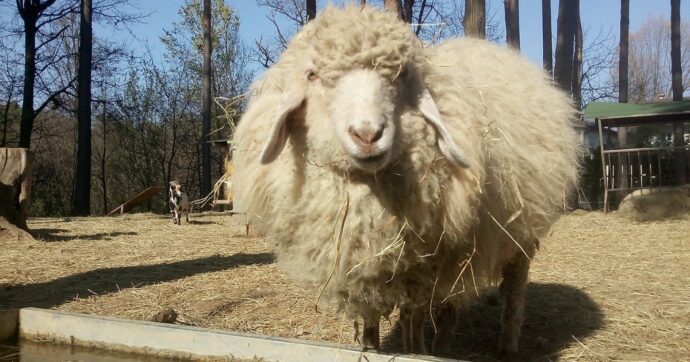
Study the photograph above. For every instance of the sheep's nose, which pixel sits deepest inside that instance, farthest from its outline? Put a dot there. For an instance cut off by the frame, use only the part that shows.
(365, 136)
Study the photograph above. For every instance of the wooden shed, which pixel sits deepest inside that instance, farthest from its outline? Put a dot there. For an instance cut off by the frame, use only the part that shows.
(653, 150)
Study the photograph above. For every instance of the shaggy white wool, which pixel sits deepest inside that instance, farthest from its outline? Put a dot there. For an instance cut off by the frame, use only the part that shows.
(368, 242)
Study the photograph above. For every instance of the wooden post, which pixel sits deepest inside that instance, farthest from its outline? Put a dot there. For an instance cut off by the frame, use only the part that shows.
(603, 167)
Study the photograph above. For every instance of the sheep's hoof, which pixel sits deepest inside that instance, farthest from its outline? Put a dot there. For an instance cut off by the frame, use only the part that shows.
(370, 338)
(508, 351)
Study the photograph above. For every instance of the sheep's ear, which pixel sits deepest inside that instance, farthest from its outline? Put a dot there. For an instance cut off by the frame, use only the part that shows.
(445, 142)
(275, 143)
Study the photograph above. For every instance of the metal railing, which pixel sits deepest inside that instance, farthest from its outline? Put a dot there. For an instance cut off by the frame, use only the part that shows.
(644, 168)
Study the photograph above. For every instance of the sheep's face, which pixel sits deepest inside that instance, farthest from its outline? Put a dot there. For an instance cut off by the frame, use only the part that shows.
(354, 118)
(363, 114)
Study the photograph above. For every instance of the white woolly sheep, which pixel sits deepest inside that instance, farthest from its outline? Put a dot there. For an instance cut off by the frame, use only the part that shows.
(413, 177)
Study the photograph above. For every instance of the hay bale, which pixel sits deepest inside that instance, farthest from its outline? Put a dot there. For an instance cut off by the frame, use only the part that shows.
(656, 204)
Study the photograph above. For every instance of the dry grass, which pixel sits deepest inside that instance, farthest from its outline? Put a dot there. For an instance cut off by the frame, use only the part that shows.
(603, 287)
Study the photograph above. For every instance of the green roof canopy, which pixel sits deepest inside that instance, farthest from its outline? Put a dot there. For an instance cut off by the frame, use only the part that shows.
(626, 114)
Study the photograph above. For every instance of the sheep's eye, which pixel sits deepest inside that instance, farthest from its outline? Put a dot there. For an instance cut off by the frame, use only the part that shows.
(311, 75)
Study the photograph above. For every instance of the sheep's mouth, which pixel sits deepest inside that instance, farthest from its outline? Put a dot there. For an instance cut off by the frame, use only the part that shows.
(372, 162)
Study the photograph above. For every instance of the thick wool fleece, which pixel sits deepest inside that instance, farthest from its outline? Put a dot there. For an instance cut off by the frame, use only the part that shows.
(369, 242)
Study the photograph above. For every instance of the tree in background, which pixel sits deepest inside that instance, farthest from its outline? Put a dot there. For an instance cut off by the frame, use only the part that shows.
(394, 6)
(31, 11)
(576, 87)
(512, 10)
(81, 203)
(623, 52)
(10, 90)
(676, 69)
(206, 102)
(311, 9)
(649, 64)
(547, 48)
(292, 12)
(680, 159)
(43, 25)
(474, 20)
(568, 11)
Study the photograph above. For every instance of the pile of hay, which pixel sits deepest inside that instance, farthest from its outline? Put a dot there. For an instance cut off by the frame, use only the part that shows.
(656, 204)
(602, 287)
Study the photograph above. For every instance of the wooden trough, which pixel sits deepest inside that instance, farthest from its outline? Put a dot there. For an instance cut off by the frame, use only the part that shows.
(174, 341)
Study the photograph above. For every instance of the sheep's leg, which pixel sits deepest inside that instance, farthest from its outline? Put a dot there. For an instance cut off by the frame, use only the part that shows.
(412, 324)
(446, 324)
(370, 335)
(513, 288)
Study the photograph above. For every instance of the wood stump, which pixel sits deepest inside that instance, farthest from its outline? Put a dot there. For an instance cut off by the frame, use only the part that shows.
(15, 191)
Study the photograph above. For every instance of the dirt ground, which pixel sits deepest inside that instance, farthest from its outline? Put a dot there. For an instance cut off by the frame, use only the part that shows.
(603, 287)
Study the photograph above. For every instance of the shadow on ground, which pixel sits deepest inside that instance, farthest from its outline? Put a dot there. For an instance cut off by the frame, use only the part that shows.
(201, 222)
(555, 315)
(59, 235)
(108, 280)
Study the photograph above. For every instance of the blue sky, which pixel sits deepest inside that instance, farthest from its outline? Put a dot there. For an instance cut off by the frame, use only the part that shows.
(596, 15)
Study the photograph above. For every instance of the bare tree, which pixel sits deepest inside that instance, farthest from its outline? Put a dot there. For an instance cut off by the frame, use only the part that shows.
(567, 26)
(649, 64)
(680, 157)
(474, 21)
(81, 205)
(311, 9)
(10, 89)
(206, 103)
(512, 18)
(394, 6)
(547, 49)
(623, 52)
(280, 12)
(576, 87)
(676, 69)
(30, 11)
(408, 7)
(599, 57)
(623, 84)
(43, 20)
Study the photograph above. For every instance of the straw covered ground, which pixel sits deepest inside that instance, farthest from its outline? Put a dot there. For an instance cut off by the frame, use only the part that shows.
(603, 287)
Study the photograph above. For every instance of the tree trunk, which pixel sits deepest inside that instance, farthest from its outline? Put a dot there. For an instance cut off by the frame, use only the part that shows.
(512, 17)
(676, 72)
(27, 120)
(81, 205)
(206, 105)
(622, 134)
(408, 5)
(577, 64)
(395, 6)
(474, 22)
(623, 53)
(567, 15)
(104, 183)
(680, 159)
(311, 9)
(547, 48)
(5, 115)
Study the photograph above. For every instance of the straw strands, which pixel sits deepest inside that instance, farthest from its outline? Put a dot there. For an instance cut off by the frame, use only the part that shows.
(603, 287)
